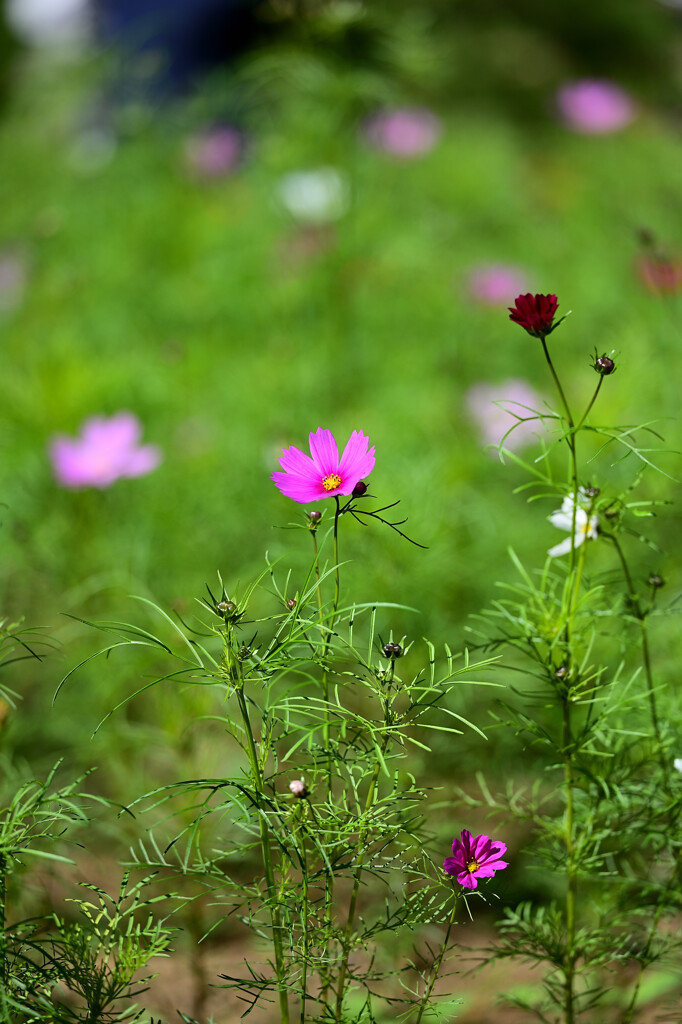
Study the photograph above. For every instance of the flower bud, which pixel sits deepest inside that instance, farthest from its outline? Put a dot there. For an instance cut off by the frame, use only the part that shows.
(226, 608)
(298, 788)
(291, 603)
(656, 581)
(392, 650)
(561, 672)
(359, 489)
(604, 365)
(244, 652)
(592, 492)
(314, 518)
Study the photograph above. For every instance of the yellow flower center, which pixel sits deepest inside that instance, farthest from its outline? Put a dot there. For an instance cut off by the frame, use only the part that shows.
(472, 866)
(331, 482)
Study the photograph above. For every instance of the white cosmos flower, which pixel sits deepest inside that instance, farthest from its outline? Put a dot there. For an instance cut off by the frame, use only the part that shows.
(585, 525)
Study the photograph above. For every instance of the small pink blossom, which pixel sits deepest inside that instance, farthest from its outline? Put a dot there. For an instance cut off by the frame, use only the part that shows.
(594, 107)
(496, 283)
(322, 474)
(474, 857)
(405, 132)
(106, 450)
(214, 152)
(495, 408)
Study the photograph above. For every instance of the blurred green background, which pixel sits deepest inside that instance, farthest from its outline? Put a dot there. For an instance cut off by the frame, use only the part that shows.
(136, 280)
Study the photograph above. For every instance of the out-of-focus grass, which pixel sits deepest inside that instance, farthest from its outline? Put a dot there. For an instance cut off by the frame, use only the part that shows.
(231, 332)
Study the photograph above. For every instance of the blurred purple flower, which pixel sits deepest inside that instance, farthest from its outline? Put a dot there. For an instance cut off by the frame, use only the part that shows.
(594, 107)
(106, 450)
(405, 132)
(495, 408)
(214, 152)
(496, 284)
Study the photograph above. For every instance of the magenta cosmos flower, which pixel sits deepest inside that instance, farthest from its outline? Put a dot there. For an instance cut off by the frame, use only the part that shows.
(214, 152)
(594, 107)
(106, 450)
(474, 857)
(322, 474)
(535, 313)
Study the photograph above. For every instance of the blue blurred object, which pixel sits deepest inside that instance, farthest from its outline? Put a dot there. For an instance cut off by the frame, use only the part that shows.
(175, 41)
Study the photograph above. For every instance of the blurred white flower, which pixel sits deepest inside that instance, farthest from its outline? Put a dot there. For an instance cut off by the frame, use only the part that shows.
(586, 526)
(316, 196)
(50, 22)
(677, 763)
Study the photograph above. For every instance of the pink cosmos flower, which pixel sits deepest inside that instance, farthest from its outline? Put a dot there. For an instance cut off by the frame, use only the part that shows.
(496, 284)
(106, 450)
(405, 132)
(495, 408)
(474, 857)
(322, 474)
(594, 107)
(214, 152)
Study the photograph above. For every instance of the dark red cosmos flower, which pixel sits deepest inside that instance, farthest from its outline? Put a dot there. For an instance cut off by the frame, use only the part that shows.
(535, 313)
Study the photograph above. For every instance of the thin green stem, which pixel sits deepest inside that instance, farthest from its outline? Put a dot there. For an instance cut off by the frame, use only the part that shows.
(570, 439)
(571, 887)
(273, 898)
(591, 403)
(3, 918)
(304, 925)
(438, 963)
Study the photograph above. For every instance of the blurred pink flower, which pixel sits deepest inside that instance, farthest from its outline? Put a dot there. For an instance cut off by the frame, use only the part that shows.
(474, 857)
(13, 278)
(106, 450)
(496, 283)
(214, 152)
(594, 107)
(405, 132)
(322, 474)
(495, 408)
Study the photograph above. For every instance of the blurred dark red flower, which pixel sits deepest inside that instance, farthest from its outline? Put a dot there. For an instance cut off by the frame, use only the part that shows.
(535, 313)
(660, 273)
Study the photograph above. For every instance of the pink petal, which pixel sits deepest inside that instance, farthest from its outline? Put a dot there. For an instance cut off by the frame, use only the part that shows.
(295, 461)
(356, 462)
(467, 880)
(324, 452)
(120, 431)
(489, 869)
(141, 461)
(297, 489)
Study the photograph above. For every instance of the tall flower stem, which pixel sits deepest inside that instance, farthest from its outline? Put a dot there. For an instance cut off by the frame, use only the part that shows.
(3, 917)
(304, 925)
(266, 848)
(352, 906)
(438, 963)
(570, 439)
(327, 632)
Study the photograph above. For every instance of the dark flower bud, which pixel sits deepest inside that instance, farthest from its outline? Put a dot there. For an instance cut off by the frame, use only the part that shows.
(561, 672)
(298, 788)
(656, 581)
(535, 313)
(314, 518)
(359, 489)
(226, 608)
(592, 492)
(291, 603)
(244, 653)
(604, 365)
(392, 650)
